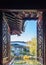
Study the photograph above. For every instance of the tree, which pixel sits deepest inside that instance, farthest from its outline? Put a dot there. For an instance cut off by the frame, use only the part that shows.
(33, 46)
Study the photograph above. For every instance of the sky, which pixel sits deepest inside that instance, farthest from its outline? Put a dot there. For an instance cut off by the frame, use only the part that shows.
(30, 32)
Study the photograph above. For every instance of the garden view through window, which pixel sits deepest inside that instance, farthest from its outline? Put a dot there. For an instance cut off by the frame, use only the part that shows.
(24, 47)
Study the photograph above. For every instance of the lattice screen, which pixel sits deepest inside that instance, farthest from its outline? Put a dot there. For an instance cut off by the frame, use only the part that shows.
(5, 40)
(40, 44)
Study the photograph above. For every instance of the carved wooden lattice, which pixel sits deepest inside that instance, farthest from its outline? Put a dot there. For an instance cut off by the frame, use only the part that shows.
(26, 15)
(5, 40)
(40, 44)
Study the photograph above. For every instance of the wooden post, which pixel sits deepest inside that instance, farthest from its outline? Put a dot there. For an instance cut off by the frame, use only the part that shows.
(44, 29)
(0, 38)
(40, 39)
(5, 41)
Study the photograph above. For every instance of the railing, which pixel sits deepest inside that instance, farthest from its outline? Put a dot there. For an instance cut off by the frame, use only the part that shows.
(12, 61)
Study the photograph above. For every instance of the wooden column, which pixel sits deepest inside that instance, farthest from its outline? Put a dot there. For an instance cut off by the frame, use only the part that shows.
(0, 38)
(5, 41)
(8, 38)
(40, 39)
(44, 28)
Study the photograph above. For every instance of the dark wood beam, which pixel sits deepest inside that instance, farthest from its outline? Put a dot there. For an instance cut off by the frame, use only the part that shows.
(14, 10)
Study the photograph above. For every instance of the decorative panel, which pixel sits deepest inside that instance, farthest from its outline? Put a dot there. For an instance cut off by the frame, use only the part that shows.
(5, 40)
(40, 45)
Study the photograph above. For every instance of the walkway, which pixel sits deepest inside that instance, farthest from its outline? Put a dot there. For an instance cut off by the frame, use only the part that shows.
(24, 62)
